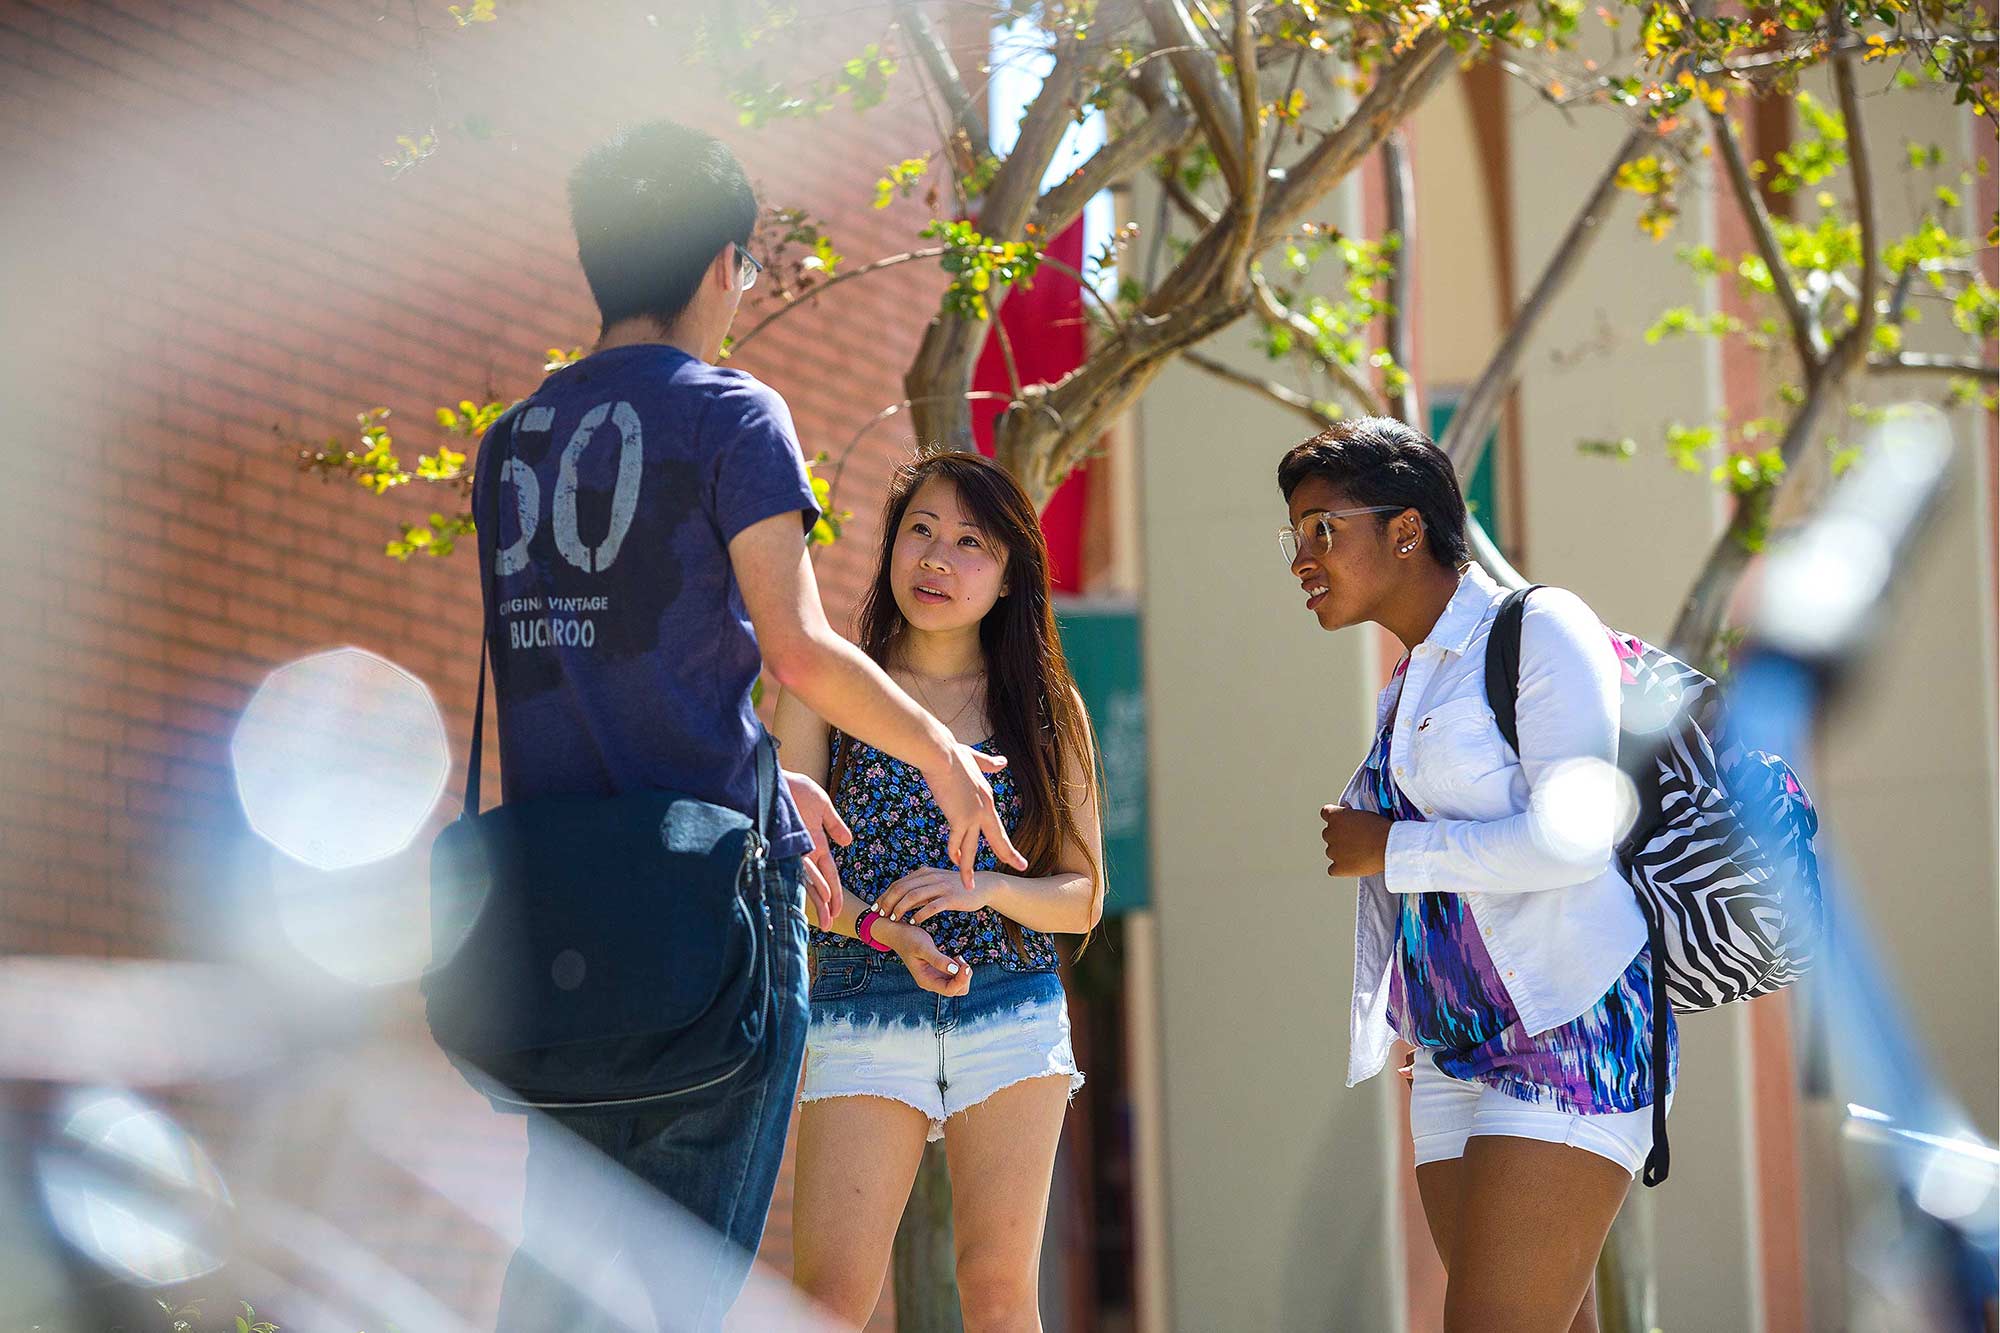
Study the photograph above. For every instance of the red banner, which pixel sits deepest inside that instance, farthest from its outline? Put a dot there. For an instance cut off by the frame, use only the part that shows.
(1046, 329)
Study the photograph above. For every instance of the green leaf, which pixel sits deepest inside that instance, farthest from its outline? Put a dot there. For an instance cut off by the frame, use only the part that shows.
(1687, 447)
(1622, 448)
(1700, 258)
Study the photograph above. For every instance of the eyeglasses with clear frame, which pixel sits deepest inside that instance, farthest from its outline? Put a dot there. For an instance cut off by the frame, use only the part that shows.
(1313, 534)
(747, 267)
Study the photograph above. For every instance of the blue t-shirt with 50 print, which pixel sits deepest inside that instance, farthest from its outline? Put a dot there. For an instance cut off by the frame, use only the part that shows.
(623, 656)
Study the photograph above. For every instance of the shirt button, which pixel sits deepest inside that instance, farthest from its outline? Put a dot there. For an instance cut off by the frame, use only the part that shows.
(1510, 974)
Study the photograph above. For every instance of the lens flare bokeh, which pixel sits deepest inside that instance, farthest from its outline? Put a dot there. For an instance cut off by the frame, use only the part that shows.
(339, 758)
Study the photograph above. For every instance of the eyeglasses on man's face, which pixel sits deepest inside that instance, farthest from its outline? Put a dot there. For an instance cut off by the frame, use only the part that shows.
(747, 269)
(1312, 536)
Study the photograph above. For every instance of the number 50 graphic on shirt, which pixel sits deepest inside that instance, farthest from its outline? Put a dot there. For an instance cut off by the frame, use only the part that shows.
(528, 491)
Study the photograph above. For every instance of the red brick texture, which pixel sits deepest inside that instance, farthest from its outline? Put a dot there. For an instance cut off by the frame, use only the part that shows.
(206, 263)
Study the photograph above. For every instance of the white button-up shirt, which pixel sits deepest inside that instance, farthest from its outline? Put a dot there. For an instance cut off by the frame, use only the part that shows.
(1526, 838)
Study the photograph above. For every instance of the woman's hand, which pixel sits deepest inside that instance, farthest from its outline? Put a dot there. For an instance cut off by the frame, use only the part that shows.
(1357, 843)
(926, 891)
(933, 968)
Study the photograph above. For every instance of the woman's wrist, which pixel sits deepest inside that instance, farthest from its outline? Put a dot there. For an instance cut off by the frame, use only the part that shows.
(865, 925)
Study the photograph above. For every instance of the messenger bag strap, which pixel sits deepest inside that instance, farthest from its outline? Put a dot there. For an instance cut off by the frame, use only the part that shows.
(488, 520)
(767, 783)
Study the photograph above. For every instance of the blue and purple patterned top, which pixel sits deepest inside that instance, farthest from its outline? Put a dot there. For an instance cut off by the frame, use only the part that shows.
(1446, 996)
(898, 828)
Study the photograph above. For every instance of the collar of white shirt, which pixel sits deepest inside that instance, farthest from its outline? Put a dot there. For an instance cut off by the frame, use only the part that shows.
(1463, 613)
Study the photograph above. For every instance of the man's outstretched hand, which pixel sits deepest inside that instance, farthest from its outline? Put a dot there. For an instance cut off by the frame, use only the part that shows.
(965, 798)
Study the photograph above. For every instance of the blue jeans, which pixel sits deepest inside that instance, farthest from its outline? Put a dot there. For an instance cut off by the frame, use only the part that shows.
(649, 1220)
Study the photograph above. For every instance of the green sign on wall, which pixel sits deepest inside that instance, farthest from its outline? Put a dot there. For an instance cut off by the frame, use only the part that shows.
(1482, 492)
(1101, 640)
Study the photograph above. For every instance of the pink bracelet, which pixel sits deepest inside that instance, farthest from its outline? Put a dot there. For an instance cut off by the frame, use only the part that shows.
(864, 928)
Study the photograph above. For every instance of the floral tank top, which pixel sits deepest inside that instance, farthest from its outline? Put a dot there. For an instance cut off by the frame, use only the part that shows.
(898, 828)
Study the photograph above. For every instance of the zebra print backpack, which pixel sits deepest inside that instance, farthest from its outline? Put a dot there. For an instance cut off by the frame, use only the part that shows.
(1730, 915)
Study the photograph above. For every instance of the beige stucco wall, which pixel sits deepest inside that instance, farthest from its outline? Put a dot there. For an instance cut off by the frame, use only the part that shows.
(1278, 1184)
(1457, 261)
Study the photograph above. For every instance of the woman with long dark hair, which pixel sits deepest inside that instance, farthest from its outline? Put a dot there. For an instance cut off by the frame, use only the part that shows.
(937, 1011)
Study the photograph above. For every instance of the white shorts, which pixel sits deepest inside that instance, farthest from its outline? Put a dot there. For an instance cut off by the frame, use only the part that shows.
(874, 1033)
(1446, 1111)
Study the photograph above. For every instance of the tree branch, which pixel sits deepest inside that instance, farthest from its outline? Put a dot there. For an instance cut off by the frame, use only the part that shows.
(1088, 288)
(1855, 342)
(1059, 424)
(1700, 621)
(1159, 133)
(940, 375)
(1272, 311)
(1201, 79)
(1805, 51)
(1701, 618)
(1807, 340)
(906, 405)
(738, 344)
(1400, 198)
(1278, 136)
(1283, 395)
(1004, 209)
(1249, 102)
(1899, 298)
(1249, 194)
(938, 64)
(1919, 363)
(1198, 210)
(1056, 427)
(1401, 84)
(1473, 421)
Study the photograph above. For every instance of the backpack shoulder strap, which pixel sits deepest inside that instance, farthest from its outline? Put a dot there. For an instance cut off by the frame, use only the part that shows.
(1503, 662)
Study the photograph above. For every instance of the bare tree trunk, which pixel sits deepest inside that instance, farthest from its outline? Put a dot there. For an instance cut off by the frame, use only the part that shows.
(924, 1266)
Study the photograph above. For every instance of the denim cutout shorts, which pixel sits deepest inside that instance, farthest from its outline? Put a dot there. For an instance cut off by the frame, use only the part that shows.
(875, 1033)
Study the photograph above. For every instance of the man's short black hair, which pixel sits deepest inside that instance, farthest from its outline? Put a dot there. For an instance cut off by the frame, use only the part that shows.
(651, 208)
(1382, 461)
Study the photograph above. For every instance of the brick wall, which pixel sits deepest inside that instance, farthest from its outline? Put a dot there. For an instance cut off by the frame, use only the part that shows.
(204, 263)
